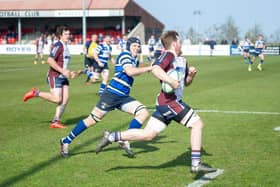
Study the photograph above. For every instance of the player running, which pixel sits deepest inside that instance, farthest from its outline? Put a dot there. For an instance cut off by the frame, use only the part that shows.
(40, 43)
(89, 48)
(259, 46)
(57, 77)
(246, 50)
(101, 55)
(168, 106)
(116, 96)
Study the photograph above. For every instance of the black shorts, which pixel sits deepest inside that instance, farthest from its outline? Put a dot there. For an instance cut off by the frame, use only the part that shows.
(99, 69)
(89, 62)
(109, 101)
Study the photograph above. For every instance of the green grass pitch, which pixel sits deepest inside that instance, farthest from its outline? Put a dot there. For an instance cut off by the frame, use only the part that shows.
(243, 144)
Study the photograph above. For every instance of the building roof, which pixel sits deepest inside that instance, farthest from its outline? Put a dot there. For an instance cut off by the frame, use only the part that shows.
(128, 7)
(61, 4)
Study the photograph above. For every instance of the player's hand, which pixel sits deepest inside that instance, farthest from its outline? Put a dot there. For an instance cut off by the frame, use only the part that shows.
(66, 73)
(175, 84)
(74, 74)
(192, 71)
(100, 64)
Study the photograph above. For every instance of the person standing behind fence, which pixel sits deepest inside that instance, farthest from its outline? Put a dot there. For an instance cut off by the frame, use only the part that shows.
(212, 44)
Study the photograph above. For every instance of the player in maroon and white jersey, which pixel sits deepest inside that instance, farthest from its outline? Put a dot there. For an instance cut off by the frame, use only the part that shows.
(57, 78)
(168, 107)
(40, 43)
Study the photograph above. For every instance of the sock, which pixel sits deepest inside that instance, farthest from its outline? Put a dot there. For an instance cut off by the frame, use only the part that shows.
(89, 74)
(102, 88)
(55, 119)
(114, 136)
(61, 110)
(245, 60)
(134, 124)
(195, 157)
(37, 93)
(78, 129)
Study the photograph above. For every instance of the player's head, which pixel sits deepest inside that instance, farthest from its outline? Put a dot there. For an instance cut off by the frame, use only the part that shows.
(94, 37)
(63, 32)
(107, 39)
(171, 41)
(133, 45)
(125, 37)
(260, 36)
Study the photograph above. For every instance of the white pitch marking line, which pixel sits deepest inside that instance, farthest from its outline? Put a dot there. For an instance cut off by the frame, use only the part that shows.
(239, 112)
(12, 69)
(277, 128)
(205, 179)
(231, 112)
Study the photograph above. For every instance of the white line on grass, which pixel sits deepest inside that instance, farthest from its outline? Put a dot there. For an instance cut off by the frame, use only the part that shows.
(231, 112)
(13, 69)
(205, 179)
(239, 112)
(277, 128)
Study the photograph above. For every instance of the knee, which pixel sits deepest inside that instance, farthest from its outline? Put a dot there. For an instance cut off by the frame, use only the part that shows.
(149, 135)
(57, 100)
(90, 121)
(198, 125)
(142, 114)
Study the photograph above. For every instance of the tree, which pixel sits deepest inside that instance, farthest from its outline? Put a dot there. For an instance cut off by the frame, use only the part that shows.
(214, 32)
(229, 29)
(253, 32)
(275, 37)
(193, 36)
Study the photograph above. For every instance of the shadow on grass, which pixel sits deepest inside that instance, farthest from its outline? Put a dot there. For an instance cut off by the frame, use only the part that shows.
(145, 146)
(180, 160)
(36, 168)
(70, 121)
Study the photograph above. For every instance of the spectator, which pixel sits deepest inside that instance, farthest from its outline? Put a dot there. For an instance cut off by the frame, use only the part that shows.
(224, 41)
(235, 41)
(212, 44)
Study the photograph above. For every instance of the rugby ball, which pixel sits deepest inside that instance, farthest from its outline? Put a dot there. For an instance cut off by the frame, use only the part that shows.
(174, 74)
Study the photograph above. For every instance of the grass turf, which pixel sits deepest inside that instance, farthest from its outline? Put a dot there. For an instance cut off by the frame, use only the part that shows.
(243, 144)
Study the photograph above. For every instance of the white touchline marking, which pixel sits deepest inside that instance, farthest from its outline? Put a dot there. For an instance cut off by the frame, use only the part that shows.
(238, 112)
(206, 178)
(12, 69)
(230, 112)
(277, 128)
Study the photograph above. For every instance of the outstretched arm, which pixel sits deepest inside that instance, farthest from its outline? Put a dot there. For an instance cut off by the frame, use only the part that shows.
(160, 74)
(133, 71)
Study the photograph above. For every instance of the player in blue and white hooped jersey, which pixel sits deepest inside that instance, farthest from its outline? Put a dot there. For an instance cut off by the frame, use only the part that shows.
(259, 46)
(102, 55)
(116, 96)
(246, 50)
(151, 47)
(122, 43)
